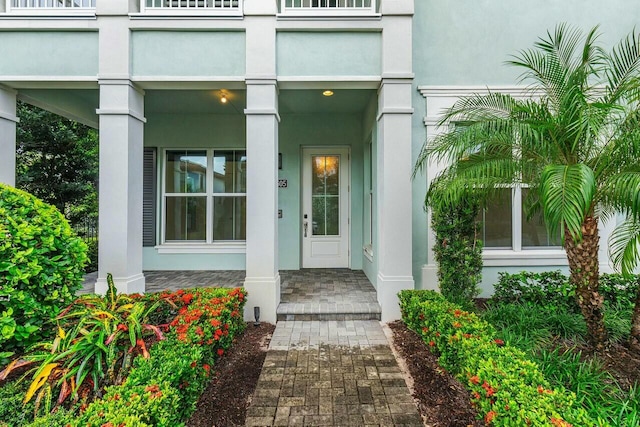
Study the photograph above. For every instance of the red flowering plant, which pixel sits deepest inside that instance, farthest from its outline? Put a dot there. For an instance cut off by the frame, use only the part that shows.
(209, 317)
(506, 388)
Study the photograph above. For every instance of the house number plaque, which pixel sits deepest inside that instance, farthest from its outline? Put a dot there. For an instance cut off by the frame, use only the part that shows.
(282, 183)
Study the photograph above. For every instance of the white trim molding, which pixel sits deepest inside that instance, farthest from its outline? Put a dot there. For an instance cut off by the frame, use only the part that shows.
(194, 248)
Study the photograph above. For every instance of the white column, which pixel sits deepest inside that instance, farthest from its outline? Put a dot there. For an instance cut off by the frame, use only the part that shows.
(393, 183)
(120, 197)
(8, 120)
(262, 280)
(394, 194)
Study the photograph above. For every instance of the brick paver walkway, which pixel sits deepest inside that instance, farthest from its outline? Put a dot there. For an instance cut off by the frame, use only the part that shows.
(331, 373)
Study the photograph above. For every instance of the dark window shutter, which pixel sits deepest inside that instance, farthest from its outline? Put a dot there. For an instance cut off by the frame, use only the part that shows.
(149, 198)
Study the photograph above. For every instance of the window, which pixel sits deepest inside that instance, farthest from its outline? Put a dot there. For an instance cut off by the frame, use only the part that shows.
(205, 196)
(505, 224)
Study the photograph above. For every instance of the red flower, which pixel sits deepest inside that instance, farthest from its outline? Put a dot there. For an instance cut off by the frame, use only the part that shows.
(187, 298)
(457, 313)
(474, 380)
(498, 342)
(559, 422)
(207, 368)
(489, 417)
(432, 343)
(457, 324)
(193, 364)
(220, 352)
(425, 330)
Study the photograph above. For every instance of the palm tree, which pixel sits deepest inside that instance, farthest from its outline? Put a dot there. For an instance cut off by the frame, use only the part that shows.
(574, 140)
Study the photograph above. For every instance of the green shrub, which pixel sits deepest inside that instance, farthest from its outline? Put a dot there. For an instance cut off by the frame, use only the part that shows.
(506, 387)
(458, 252)
(179, 365)
(92, 255)
(134, 406)
(41, 268)
(552, 289)
(12, 413)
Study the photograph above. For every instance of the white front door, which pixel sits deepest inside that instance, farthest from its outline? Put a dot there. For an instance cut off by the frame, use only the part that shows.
(325, 208)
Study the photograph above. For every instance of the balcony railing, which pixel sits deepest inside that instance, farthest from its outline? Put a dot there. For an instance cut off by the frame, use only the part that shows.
(49, 6)
(177, 7)
(330, 7)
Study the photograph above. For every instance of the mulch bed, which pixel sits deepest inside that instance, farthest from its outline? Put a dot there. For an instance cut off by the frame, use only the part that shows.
(442, 400)
(226, 399)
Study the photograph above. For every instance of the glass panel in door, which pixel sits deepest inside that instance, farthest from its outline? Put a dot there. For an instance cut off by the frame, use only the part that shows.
(325, 195)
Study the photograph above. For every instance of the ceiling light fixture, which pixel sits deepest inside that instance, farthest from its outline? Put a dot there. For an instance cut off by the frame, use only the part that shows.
(223, 97)
(328, 93)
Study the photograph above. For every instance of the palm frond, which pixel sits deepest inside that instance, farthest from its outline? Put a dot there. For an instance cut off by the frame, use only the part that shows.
(566, 194)
(622, 192)
(624, 246)
(624, 65)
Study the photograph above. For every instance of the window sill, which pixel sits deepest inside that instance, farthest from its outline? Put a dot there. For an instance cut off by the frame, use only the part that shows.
(368, 252)
(527, 257)
(203, 248)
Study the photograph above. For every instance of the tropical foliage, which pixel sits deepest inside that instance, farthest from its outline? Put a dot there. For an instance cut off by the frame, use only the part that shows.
(574, 141)
(96, 341)
(169, 366)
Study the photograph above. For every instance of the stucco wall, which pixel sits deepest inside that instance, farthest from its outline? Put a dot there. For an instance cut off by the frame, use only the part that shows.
(48, 53)
(188, 53)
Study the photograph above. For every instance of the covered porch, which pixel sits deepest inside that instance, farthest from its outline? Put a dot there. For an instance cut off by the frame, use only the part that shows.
(306, 294)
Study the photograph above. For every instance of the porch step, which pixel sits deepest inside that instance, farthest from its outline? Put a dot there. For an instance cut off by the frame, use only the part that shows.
(329, 311)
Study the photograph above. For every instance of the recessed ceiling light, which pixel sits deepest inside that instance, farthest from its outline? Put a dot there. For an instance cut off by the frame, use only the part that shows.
(328, 93)
(223, 97)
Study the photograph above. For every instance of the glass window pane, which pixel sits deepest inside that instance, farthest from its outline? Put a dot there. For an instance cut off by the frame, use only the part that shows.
(229, 218)
(534, 231)
(186, 218)
(186, 172)
(318, 213)
(497, 220)
(325, 181)
(325, 175)
(230, 171)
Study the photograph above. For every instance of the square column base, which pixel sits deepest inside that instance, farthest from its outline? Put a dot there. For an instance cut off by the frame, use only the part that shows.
(264, 292)
(125, 285)
(388, 288)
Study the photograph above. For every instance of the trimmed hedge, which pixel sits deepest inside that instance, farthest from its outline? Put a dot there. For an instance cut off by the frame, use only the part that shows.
(506, 388)
(163, 389)
(41, 267)
(552, 288)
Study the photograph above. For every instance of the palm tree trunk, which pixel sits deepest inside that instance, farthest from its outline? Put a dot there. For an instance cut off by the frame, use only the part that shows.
(634, 338)
(583, 265)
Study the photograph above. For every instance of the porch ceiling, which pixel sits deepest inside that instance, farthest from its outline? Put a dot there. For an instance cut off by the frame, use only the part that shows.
(307, 101)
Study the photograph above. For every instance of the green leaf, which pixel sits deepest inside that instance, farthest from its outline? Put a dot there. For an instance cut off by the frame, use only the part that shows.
(624, 246)
(566, 195)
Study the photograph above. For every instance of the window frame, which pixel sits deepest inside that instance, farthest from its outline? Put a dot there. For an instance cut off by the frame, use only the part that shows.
(197, 246)
(517, 224)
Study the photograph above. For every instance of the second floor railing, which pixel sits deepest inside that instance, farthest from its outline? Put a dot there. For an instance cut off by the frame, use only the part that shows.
(221, 7)
(317, 7)
(51, 5)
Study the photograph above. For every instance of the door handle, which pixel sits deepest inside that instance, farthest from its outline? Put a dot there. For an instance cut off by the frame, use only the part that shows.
(306, 224)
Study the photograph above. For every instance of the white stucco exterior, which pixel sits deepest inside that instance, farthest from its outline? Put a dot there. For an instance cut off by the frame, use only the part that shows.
(153, 78)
